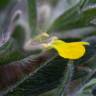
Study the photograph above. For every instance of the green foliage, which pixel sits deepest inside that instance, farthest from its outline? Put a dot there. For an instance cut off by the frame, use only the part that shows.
(32, 15)
(44, 73)
(86, 90)
(3, 3)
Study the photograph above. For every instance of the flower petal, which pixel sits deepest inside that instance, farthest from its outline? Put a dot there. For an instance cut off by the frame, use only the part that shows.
(73, 50)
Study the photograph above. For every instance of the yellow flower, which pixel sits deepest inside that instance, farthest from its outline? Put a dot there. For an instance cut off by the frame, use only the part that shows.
(73, 50)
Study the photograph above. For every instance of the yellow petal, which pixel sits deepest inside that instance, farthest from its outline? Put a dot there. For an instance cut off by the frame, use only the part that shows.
(82, 43)
(73, 50)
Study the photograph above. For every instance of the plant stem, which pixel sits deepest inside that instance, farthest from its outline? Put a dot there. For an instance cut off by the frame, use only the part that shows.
(63, 88)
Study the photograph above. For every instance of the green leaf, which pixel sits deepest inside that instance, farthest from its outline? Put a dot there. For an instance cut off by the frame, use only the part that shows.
(32, 16)
(74, 18)
(86, 90)
(50, 93)
(46, 78)
(10, 52)
(70, 15)
(4, 3)
(19, 35)
(66, 79)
